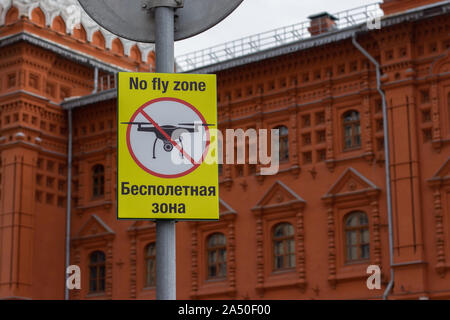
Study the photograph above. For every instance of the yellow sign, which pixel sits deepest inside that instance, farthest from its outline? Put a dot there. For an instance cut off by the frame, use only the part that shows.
(167, 147)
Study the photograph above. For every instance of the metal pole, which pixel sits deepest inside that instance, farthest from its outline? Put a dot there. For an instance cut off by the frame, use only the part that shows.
(387, 165)
(69, 203)
(165, 229)
(95, 80)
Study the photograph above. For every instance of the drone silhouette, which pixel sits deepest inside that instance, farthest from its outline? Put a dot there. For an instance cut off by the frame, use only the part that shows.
(174, 132)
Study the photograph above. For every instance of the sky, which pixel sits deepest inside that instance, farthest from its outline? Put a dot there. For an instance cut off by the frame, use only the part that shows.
(256, 16)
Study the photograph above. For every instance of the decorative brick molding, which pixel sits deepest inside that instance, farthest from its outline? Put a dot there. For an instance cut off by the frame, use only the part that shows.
(199, 233)
(366, 125)
(329, 137)
(440, 184)
(352, 191)
(293, 144)
(93, 235)
(435, 116)
(331, 230)
(437, 95)
(279, 204)
(140, 233)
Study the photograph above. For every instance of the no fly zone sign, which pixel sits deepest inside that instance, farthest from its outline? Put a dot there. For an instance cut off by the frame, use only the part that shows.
(167, 155)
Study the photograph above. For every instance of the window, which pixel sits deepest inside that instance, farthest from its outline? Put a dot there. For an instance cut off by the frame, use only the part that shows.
(283, 246)
(306, 139)
(50, 89)
(426, 115)
(424, 96)
(321, 155)
(321, 137)
(283, 142)
(239, 170)
(150, 265)
(320, 118)
(356, 236)
(33, 81)
(12, 80)
(50, 165)
(98, 180)
(352, 130)
(49, 198)
(307, 157)
(64, 93)
(97, 272)
(427, 135)
(306, 120)
(379, 125)
(217, 256)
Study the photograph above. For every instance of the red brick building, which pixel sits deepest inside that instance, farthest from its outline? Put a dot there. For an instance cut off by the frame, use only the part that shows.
(308, 232)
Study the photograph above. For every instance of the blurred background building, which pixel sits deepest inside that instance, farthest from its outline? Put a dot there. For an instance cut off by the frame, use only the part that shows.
(308, 232)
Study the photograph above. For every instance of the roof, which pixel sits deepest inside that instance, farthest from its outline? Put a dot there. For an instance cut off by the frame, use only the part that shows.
(74, 102)
(415, 14)
(73, 16)
(61, 50)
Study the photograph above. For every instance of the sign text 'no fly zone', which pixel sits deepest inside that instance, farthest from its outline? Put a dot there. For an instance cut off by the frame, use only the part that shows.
(167, 155)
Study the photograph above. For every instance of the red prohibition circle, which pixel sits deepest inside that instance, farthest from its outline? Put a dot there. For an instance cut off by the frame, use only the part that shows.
(178, 175)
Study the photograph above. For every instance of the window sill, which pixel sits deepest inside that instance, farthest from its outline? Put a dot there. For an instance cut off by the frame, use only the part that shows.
(282, 271)
(353, 271)
(215, 280)
(282, 279)
(145, 293)
(290, 280)
(152, 288)
(352, 149)
(356, 263)
(214, 288)
(96, 295)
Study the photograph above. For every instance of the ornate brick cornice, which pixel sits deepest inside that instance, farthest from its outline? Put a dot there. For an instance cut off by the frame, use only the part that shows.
(73, 16)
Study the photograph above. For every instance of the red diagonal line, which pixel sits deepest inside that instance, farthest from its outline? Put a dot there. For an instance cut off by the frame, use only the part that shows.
(168, 137)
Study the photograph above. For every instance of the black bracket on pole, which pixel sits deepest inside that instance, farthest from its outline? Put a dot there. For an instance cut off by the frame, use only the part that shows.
(150, 4)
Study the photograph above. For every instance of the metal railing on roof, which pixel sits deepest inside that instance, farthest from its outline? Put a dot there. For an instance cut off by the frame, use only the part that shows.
(106, 82)
(270, 39)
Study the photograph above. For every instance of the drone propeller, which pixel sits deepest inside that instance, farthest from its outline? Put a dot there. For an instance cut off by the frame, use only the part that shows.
(193, 124)
(147, 123)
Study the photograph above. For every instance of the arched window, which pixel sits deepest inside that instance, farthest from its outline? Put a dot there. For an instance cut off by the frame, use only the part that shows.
(97, 272)
(352, 130)
(283, 246)
(98, 180)
(150, 265)
(217, 256)
(284, 143)
(357, 236)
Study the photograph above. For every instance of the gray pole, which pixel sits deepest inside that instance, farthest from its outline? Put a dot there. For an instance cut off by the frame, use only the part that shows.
(165, 229)
(387, 164)
(69, 201)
